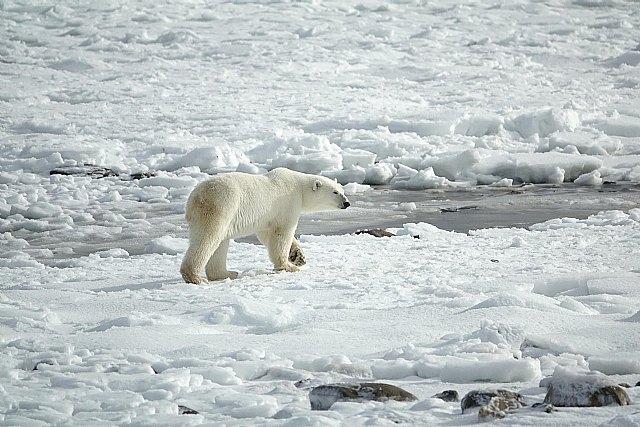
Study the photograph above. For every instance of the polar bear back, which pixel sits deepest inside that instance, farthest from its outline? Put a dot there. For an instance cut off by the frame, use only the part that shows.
(244, 203)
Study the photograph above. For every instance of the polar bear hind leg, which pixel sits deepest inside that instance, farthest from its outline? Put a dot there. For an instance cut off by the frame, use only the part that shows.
(205, 238)
(201, 248)
(216, 268)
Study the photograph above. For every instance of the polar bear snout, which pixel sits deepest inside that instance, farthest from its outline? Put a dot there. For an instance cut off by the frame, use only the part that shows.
(343, 203)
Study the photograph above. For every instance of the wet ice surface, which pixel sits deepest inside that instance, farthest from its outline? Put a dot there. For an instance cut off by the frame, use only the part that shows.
(462, 210)
(457, 210)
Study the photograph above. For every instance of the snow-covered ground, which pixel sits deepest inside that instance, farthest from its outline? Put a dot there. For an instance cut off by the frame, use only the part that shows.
(96, 327)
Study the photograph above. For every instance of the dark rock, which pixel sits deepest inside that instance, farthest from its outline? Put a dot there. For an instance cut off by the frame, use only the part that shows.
(498, 407)
(303, 383)
(543, 407)
(570, 387)
(376, 232)
(140, 175)
(91, 171)
(185, 410)
(322, 397)
(625, 385)
(638, 384)
(477, 398)
(457, 209)
(448, 396)
(37, 366)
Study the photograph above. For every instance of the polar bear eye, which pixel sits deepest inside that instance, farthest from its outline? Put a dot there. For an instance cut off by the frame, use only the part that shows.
(335, 192)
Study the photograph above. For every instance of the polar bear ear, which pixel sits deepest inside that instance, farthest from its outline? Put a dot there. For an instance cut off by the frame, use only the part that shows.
(317, 184)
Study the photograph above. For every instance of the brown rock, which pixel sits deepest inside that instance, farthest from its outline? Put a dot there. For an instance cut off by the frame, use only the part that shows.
(376, 232)
(185, 410)
(89, 170)
(477, 398)
(498, 407)
(322, 397)
(581, 394)
(570, 386)
(448, 396)
(541, 406)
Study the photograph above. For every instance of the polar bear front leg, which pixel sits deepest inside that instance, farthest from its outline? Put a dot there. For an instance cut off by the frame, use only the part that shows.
(278, 242)
(217, 265)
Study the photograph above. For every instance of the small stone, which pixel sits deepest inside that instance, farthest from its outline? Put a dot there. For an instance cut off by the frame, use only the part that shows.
(477, 398)
(543, 407)
(448, 396)
(322, 397)
(44, 362)
(376, 232)
(498, 407)
(141, 175)
(638, 384)
(185, 410)
(625, 385)
(303, 383)
(91, 171)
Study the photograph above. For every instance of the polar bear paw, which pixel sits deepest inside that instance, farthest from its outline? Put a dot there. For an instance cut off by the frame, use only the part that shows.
(296, 256)
(290, 268)
(223, 275)
(190, 277)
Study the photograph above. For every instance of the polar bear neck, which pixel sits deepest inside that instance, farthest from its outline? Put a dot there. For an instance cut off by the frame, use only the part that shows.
(295, 187)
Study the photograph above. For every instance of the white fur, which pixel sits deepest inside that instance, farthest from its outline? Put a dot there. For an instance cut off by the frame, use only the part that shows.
(237, 204)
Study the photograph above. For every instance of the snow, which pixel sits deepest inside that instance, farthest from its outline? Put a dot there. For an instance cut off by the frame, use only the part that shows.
(431, 100)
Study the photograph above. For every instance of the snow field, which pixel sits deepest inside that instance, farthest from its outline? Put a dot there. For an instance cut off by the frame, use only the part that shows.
(355, 92)
(413, 95)
(122, 340)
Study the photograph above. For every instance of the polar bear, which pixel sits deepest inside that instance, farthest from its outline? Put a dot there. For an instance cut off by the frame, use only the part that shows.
(236, 204)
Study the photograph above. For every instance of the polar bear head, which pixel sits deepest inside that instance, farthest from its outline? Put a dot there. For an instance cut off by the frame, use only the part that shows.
(324, 195)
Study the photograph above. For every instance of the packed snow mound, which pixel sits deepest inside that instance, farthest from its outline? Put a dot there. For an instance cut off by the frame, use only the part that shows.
(602, 219)
(618, 125)
(206, 158)
(543, 122)
(133, 320)
(167, 245)
(502, 371)
(616, 364)
(486, 354)
(263, 317)
(630, 58)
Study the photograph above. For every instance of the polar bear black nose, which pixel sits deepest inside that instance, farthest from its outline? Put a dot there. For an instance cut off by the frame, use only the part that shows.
(345, 205)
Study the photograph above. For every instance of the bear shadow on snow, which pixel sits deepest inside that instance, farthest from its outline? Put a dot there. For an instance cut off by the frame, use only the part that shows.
(234, 205)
